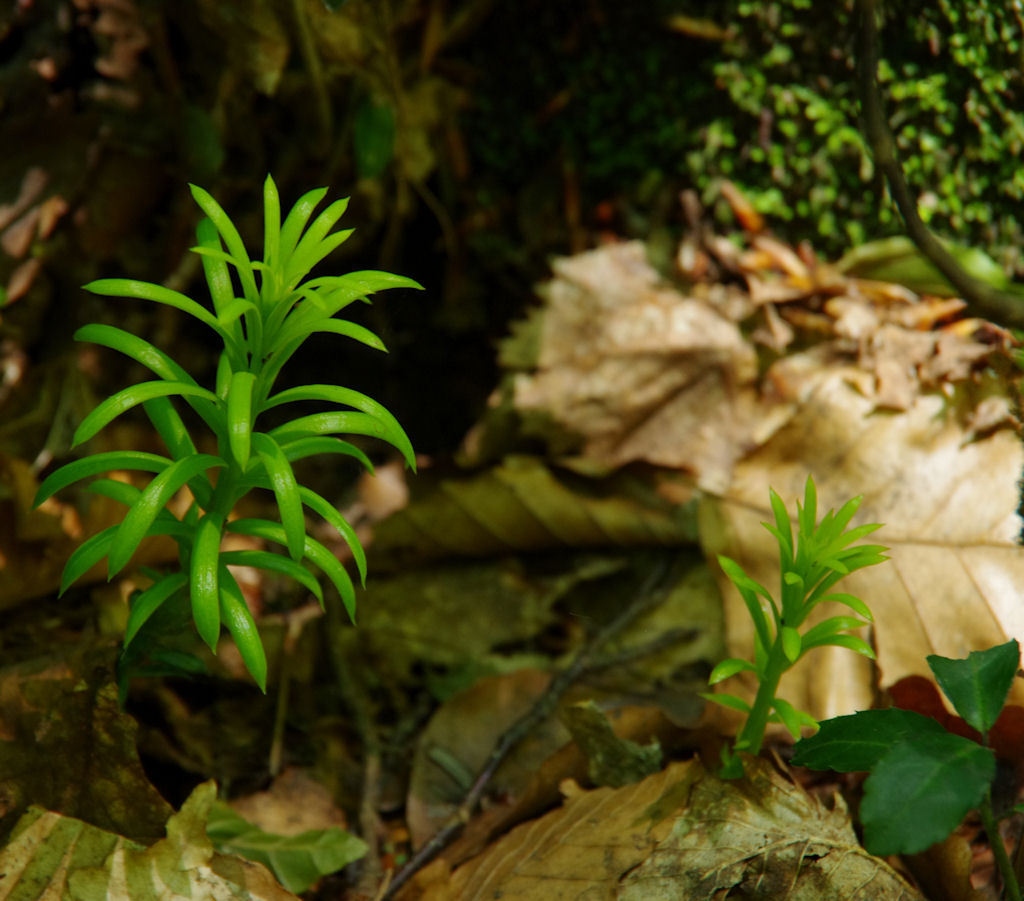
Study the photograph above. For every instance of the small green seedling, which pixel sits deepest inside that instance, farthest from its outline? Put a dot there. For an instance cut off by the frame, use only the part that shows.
(811, 563)
(924, 780)
(263, 314)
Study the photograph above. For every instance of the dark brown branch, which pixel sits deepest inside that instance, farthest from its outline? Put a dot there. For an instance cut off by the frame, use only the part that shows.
(1002, 307)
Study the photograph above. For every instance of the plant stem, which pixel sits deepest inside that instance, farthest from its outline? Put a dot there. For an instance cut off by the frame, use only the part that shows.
(751, 737)
(1010, 885)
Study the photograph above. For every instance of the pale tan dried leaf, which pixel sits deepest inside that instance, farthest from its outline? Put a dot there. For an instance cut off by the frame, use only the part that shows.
(681, 834)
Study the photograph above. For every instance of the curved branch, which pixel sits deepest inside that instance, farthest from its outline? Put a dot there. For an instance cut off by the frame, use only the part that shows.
(987, 301)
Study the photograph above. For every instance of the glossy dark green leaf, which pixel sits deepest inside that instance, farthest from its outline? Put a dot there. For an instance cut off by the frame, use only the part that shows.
(855, 743)
(149, 601)
(286, 492)
(95, 465)
(336, 394)
(978, 684)
(235, 614)
(330, 424)
(921, 790)
(204, 582)
(275, 563)
(124, 400)
(136, 524)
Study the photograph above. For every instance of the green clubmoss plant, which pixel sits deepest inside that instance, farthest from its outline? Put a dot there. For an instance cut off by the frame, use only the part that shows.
(263, 311)
(811, 564)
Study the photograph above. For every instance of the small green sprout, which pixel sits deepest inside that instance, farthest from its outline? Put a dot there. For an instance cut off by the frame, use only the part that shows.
(262, 325)
(924, 780)
(810, 567)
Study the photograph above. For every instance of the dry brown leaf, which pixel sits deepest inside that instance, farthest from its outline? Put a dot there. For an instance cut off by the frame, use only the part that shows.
(680, 834)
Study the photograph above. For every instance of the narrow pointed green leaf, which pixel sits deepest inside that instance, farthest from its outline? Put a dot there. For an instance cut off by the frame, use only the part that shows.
(218, 278)
(95, 465)
(232, 240)
(978, 684)
(275, 563)
(124, 400)
(85, 557)
(835, 625)
(728, 668)
(235, 309)
(149, 601)
(313, 551)
(175, 436)
(854, 603)
(329, 424)
(296, 221)
(809, 511)
(235, 614)
(327, 510)
(726, 700)
(271, 222)
(336, 394)
(239, 407)
(157, 493)
(790, 643)
(789, 716)
(784, 530)
(301, 448)
(286, 492)
(850, 642)
(204, 581)
(129, 287)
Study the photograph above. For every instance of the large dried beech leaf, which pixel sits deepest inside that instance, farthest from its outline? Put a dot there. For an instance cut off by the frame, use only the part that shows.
(523, 505)
(52, 856)
(633, 368)
(948, 499)
(681, 834)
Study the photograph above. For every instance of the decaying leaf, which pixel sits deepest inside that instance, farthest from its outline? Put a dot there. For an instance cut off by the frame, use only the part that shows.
(681, 834)
(59, 857)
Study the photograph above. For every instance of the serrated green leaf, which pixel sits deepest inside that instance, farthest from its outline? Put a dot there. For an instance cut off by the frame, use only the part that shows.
(275, 563)
(286, 492)
(920, 791)
(239, 421)
(855, 743)
(336, 394)
(728, 668)
(149, 601)
(95, 465)
(978, 685)
(124, 400)
(135, 526)
(204, 579)
(235, 614)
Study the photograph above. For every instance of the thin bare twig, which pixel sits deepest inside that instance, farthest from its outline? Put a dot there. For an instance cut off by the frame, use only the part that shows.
(651, 593)
(987, 301)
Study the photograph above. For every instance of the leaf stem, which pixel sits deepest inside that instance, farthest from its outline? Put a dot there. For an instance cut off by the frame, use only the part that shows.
(1010, 884)
(751, 737)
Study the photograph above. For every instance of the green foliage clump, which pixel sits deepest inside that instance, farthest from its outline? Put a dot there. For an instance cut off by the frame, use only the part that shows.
(952, 81)
(262, 316)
